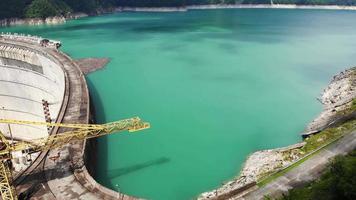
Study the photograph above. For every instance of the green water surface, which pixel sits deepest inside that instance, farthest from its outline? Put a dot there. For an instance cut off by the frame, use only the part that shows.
(215, 85)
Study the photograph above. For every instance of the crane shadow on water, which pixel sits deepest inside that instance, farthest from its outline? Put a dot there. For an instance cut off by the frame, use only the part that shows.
(130, 169)
(99, 164)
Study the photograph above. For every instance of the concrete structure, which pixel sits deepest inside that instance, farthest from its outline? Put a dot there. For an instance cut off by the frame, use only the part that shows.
(30, 73)
(26, 79)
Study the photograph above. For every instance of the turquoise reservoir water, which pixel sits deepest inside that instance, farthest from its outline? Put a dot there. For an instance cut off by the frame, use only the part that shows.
(216, 85)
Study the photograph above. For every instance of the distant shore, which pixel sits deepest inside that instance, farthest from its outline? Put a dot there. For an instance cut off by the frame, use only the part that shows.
(274, 6)
(152, 9)
(39, 21)
(236, 6)
(62, 19)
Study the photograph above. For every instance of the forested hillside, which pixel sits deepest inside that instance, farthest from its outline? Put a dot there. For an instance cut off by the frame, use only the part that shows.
(46, 8)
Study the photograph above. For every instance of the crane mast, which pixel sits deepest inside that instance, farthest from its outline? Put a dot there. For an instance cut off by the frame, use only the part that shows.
(80, 132)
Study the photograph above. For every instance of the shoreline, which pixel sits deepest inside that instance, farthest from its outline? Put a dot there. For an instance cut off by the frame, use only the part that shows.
(92, 64)
(152, 9)
(269, 6)
(55, 20)
(233, 6)
(338, 100)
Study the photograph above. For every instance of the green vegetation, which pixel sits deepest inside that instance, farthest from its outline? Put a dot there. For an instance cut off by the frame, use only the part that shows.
(350, 109)
(45, 8)
(326, 136)
(313, 144)
(11, 8)
(339, 182)
(273, 176)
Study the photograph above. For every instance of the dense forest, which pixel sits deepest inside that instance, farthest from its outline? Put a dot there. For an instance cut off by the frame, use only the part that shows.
(339, 182)
(46, 8)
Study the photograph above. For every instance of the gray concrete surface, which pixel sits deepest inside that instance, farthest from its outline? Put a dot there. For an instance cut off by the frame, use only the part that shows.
(25, 79)
(305, 172)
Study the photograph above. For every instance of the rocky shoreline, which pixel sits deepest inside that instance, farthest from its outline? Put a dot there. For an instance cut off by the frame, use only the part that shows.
(88, 65)
(337, 99)
(33, 21)
(39, 21)
(272, 6)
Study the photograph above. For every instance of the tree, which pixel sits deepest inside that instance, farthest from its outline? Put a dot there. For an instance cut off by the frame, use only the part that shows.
(11, 8)
(41, 9)
(339, 182)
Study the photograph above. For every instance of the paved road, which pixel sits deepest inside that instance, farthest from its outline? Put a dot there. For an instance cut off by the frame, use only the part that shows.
(307, 171)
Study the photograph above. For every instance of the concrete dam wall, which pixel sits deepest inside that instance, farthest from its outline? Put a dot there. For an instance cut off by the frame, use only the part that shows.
(27, 78)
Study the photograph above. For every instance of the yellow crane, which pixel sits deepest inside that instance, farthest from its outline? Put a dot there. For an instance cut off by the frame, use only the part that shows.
(80, 132)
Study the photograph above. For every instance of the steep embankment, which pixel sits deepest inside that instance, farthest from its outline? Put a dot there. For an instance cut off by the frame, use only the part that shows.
(337, 119)
(337, 100)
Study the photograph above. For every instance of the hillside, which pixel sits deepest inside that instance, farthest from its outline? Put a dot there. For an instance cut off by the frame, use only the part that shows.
(46, 8)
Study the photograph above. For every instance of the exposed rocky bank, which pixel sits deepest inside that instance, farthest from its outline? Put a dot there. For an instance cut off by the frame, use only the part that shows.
(339, 101)
(337, 97)
(33, 21)
(88, 65)
(40, 21)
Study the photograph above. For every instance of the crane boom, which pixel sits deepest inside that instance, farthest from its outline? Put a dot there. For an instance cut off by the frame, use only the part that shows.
(80, 132)
(84, 131)
(54, 141)
(6, 189)
(23, 122)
